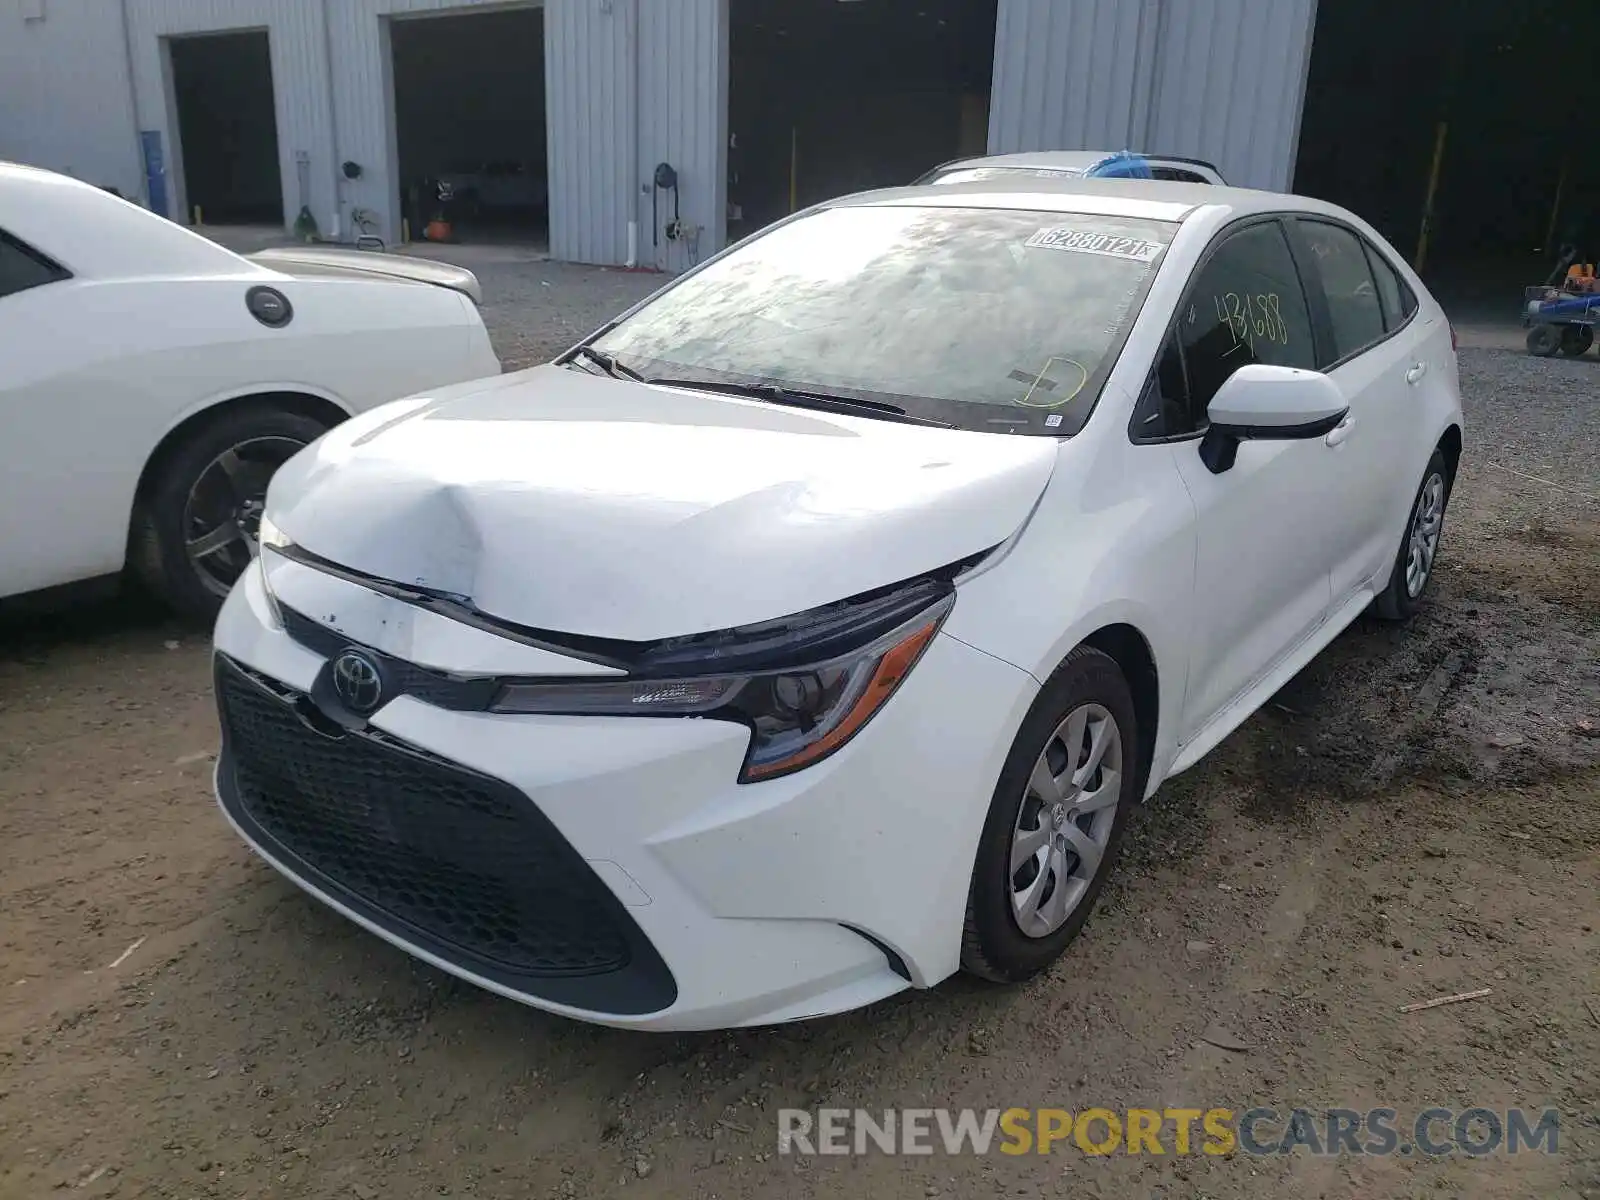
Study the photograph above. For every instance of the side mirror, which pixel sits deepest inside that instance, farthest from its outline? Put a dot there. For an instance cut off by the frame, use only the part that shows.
(1266, 403)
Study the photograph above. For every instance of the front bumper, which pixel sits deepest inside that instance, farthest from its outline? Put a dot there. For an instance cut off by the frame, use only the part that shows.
(612, 869)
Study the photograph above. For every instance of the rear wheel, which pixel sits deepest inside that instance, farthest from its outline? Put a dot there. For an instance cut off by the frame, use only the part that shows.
(1544, 340)
(1413, 566)
(1055, 822)
(1576, 340)
(197, 526)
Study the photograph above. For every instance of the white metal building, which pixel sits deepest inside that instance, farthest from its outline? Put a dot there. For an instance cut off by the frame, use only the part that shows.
(95, 88)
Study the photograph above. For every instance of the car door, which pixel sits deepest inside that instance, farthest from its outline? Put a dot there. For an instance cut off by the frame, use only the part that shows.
(1373, 358)
(1264, 525)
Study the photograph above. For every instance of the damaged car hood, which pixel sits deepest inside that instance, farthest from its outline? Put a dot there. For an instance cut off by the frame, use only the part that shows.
(562, 501)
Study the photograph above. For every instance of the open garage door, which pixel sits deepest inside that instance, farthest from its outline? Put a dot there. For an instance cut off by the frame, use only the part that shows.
(1470, 120)
(827, 97)
(227, 128)
(470, 113)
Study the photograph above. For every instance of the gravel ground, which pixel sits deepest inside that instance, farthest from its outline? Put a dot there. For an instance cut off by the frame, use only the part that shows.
(536, 310)
(1417, 813)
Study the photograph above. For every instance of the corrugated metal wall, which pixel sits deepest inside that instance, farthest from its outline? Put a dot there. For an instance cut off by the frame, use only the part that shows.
(612, 67)
(1231, 84)
(1218, 79)
(587, 82)
(683, 121)
(1222, 80)
(64, 100)
(1071, 74)
(299, 84)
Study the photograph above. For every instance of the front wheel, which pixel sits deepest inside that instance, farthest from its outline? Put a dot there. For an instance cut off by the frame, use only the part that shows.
(1055, 822)
(197, 527)
(1413, 566)
(1576, 340)
(1544, 340)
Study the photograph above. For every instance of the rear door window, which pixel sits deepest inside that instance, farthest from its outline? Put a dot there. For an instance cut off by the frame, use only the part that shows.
(1354, 308)
(1398, 300)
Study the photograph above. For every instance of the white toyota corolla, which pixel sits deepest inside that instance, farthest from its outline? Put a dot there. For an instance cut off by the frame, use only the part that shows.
(809, 632)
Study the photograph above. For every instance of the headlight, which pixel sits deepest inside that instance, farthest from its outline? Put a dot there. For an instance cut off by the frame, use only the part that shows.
(797, 715)
(271, 535)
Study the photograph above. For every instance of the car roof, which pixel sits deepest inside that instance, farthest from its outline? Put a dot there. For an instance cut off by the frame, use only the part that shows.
(1061, 160)
(1149, 199)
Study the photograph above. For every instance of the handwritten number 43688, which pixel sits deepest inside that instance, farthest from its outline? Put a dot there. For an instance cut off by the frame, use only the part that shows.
(1253, 319)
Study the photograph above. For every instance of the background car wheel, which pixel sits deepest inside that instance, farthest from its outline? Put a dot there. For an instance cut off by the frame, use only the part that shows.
(1576, 340)
(1056, 820)
(1544, 340)
(1413, 566)
(196, 528)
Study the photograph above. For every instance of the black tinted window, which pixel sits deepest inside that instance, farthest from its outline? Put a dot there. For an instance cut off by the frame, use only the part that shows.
(22, 268)
(1397, 299)
(1164, 409)
(1178, 175)
(1246, 306)
(1353, 305)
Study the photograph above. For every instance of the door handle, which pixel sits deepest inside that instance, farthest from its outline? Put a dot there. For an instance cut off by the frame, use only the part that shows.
(1415, 374)
(1340, 432)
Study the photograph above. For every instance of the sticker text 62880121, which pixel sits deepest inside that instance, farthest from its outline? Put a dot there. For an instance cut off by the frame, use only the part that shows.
(1084, 242)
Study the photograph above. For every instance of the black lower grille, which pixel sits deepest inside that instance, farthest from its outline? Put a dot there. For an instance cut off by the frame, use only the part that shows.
(462, 865)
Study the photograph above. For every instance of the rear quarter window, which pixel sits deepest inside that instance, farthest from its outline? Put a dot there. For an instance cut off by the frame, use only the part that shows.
(22, 267)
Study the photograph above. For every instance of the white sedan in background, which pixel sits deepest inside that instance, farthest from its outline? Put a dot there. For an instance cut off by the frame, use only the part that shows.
(151, 381)
(1073, 164)
(811, 631)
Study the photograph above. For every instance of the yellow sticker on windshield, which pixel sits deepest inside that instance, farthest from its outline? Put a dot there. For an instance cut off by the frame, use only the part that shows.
(1084, 241)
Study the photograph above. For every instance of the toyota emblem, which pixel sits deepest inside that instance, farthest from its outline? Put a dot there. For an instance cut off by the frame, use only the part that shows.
(357, 683)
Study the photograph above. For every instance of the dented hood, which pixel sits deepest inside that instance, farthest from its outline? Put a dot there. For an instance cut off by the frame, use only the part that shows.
(569, 502)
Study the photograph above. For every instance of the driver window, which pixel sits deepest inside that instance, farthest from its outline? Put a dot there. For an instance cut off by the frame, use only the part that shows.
(1246, 305)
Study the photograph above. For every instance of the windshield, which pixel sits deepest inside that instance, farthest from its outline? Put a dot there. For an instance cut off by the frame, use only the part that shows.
(993, 320)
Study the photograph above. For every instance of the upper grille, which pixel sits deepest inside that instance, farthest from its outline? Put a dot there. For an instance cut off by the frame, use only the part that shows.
(460, 863)
(402, 678)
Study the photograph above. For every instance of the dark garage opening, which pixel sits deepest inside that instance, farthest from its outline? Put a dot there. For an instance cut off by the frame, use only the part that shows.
(1510, 83)
(228, 127)
(470, 110)
(827, 97)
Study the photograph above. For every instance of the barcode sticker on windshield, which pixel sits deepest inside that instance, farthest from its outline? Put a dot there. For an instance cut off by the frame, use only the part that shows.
(1105, 244)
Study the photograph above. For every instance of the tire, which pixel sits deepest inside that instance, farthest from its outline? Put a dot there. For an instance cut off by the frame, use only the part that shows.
(1400, 600)
(995, 944)
(1544, 340)
(196, 486)
(1576, 340)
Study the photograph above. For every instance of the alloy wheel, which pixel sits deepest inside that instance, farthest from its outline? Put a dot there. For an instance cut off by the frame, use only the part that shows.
(1065, 821)
(1427, 521)
(222, 514)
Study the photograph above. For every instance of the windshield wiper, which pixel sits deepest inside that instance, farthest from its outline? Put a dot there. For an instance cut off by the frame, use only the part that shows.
(606, 362)
(800, 398)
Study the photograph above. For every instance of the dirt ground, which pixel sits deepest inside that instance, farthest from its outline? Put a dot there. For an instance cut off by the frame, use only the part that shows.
(1417, 814)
